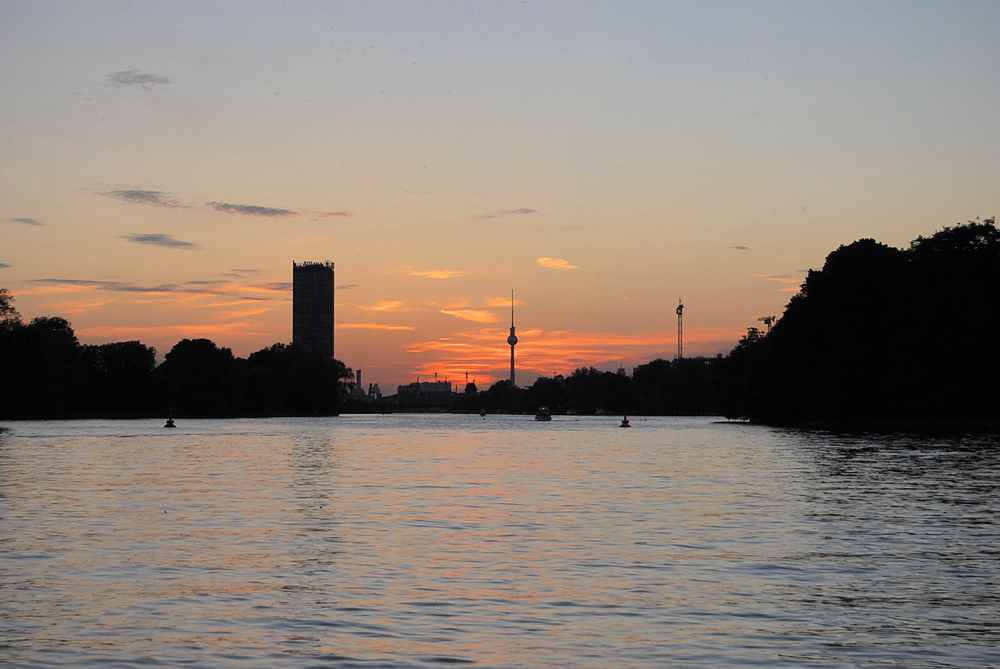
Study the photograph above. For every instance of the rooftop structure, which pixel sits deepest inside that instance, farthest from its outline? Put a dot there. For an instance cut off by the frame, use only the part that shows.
(312, 307)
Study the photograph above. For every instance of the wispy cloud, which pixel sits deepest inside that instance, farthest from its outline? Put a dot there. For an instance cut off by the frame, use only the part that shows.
(166, 241)
(372, 326)
(137, 79)
(190, 293)
(251, 210)
(508, 212)
(473, 315)
(501, 302)
(161, 199)
(140, 196)
(4, 265)
(348, 286)
(276, 286)
(207, 284)
(215, 331)
(385, 305)
(76, 306)
(107, 285)
(25, 221)
(739, 248)
(555, 263)
(794, 281)
(439, 274)
(780, 278)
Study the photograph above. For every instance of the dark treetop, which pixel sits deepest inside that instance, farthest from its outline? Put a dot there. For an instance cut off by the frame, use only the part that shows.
(882, 337)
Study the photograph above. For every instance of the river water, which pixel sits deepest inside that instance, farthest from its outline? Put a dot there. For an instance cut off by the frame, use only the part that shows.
(416, 541)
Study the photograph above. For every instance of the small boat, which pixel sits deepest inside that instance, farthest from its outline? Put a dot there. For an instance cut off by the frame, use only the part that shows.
(624, 422)
(169, 423)
(543, 413)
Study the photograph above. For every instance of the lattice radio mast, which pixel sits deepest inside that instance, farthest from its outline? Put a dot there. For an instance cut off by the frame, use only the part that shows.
(680, 329)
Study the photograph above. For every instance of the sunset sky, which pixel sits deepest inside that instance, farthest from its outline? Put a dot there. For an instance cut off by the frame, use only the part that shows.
(163, 164)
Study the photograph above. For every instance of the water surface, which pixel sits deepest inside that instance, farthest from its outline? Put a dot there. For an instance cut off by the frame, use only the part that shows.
(414, 541)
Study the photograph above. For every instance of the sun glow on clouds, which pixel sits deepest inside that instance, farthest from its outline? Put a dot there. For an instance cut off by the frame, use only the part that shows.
(795, 282)
(372, 326)
(486, 353)
(208, 330)
(474, 315)
(502, 302)
(75, 306)
(385, 305)
(556, 263)
(439, 274)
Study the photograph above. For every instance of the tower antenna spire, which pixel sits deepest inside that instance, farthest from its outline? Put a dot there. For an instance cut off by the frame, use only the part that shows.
(512, 339)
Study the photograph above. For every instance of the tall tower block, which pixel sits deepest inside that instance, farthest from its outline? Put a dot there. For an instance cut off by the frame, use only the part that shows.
(312, 307)
(512, 339)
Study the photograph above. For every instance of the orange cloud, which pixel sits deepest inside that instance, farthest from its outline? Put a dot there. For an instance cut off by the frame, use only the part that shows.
(79, 307)
(125, 332)
(556, 263)
(783, 278)
(371, 326)
(385, 305)
(58, 289)
(501, 302)
(440, 274)
(474, 315)
(559, 352)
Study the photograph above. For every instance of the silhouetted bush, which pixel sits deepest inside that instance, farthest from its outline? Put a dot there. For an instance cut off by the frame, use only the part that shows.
(881, 336)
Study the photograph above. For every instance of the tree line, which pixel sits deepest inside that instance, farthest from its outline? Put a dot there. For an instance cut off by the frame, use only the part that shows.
(881, 336)
(46, 373)
(683, 387)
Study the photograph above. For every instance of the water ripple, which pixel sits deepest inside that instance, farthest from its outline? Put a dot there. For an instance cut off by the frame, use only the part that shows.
(422, 541)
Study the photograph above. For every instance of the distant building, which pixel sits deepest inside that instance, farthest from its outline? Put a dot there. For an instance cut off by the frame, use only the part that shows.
(312, 307)
(373, 394)
(359, 390)
(423, 396)
(424, 387)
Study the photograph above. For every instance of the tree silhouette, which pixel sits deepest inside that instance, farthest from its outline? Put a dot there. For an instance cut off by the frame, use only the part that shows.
(881, 336)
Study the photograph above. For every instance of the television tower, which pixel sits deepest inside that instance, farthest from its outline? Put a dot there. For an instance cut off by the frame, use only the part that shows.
(512, 339)
(680, 329)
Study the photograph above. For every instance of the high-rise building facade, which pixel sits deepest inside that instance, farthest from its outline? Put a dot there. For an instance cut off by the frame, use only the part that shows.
(312, 307)
(512, 340)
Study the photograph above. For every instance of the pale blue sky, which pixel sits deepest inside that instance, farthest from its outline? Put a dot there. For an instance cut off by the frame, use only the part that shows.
(664, 149)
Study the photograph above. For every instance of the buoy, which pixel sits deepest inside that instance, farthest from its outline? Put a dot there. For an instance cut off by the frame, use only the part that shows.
(625, 422)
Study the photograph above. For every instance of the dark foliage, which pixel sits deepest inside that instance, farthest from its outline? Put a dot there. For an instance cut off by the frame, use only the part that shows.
(681, 387)
(881, 336)
(46, 373)
(197, 378)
